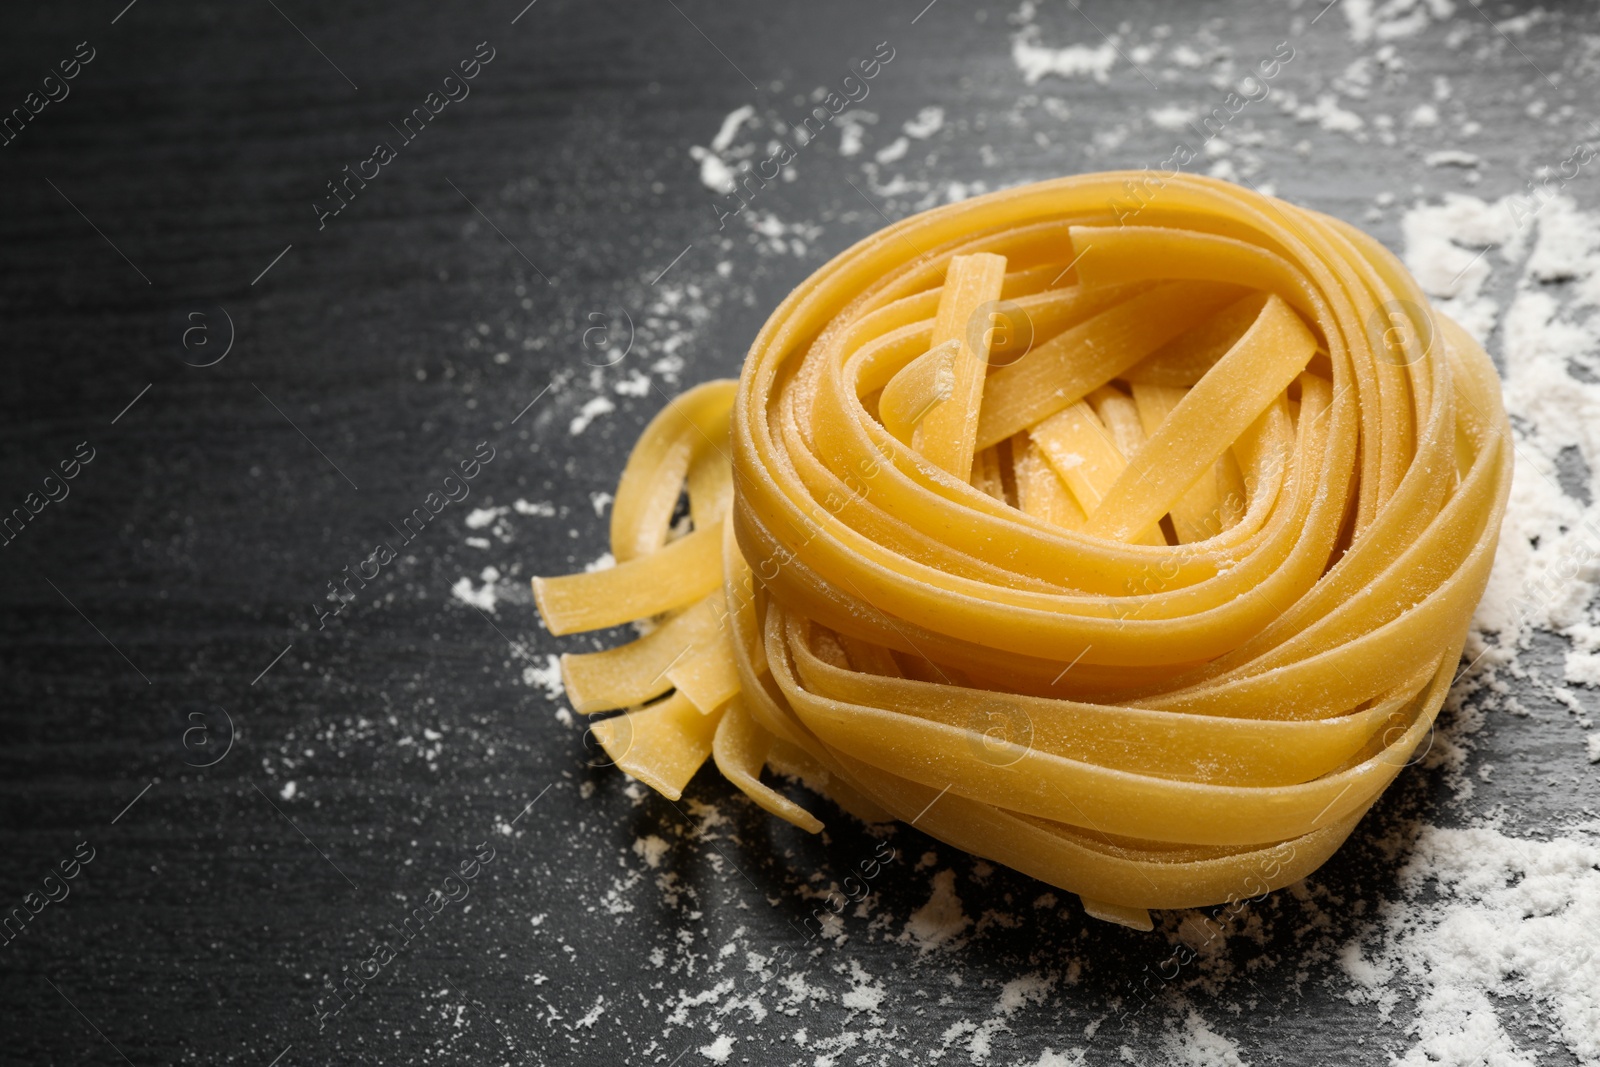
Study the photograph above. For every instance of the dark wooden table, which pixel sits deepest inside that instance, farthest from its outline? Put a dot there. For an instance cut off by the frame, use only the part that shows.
(268, 791)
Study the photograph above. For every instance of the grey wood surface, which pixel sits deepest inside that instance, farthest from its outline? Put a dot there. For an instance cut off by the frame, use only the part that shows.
(173, 589)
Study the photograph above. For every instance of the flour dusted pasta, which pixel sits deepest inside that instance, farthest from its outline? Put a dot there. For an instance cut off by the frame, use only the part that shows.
(1138, 558)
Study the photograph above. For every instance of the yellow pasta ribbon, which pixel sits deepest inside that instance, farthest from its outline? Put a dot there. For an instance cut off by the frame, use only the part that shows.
(1149, 594)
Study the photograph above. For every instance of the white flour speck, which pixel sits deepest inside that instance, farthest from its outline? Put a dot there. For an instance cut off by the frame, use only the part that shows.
(591, 410)
(1392, 19)
(1037, 61)
(941, 920)
(483, 598)
(592, 1017)
(927, 123)
(1451, 157)
(893, 151)
(547, 677)
(719, 1050)
(478, 518)
(650, 848)
(1197, 1045)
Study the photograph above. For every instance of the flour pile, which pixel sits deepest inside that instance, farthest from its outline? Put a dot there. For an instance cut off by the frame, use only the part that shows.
(1510, 919)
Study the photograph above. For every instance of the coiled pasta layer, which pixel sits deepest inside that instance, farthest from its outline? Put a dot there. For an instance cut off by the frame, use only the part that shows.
(1134, 550)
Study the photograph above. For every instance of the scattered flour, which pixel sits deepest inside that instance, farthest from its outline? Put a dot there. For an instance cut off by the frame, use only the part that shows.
(591, 410)
(650, 848)
(940, 921)
(714, 173)
(927, 123)
(1031, 988)
(1037, 61)
(1392, 19)
(483, 598)
(1547, 571)
(1488, 921)
(1327, 113)
(1197, 1045)
(853, 130)
(592, 1016)
(865, 994)
(1051, 1058)
(1425, 115)
(1185, 56)
(719, 1050)
(894, 151)
(1451, 157)
(547, 678)
(1171, 117)
(478, 518)
(1522, 23)
(730, 126)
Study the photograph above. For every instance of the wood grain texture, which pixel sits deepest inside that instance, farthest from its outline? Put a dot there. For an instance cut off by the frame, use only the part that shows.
(372, 359)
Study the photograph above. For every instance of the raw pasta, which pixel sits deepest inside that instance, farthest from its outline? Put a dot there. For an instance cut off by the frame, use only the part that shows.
(1135, 553)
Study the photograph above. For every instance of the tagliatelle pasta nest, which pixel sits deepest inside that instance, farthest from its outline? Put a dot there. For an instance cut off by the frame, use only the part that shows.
(1133, 550)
